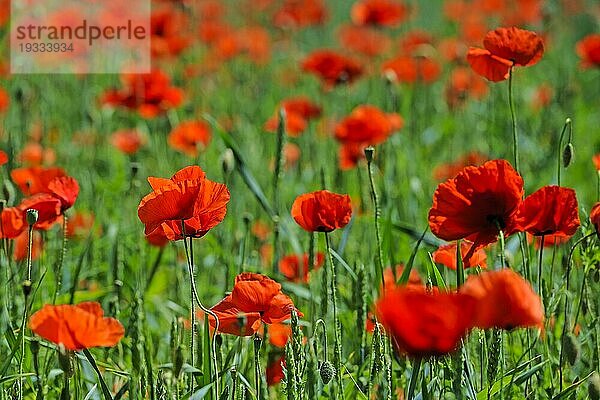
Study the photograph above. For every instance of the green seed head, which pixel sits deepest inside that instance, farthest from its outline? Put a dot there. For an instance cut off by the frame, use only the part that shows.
(32, 216)
(327, 372)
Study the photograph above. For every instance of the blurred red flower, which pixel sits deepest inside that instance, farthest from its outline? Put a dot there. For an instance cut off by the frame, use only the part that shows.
(588, 49)
(595, 218)
(149, 94)
(322, 211)
(378, 12)
(190, 137)
(300, 13)
(298, 111)
(364, 40)
(65, 189)
(423, 324)
(127, 141)
(76, 327)
(289, 266)
(275, 370)
(332, 68)
(504, 300)
(446, 255)
(13, 222)
(450, 170)
(169, 36)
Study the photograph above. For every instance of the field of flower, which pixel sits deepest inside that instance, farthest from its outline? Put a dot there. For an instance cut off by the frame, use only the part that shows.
(310, 199)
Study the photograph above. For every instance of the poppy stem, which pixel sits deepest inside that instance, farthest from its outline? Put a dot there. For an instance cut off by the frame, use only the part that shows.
(511, 105)
(460, 269)
(369, 152)
(190, 261)
(566, 313)
(59, 265)
(257, 343)
(540, 259)
(337, 345)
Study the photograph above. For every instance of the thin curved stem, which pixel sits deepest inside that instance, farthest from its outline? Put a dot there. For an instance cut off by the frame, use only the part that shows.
(194, 292)
(540, 258)
(513, 119)
(337, 345)
(377, 212)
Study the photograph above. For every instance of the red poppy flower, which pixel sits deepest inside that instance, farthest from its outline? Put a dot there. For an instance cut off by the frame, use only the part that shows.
(298, 111)
(595, 218)
(47, 206)
(596, 161)
(21, 246)
(588, 49)
(80, 224)
(322, 211)
(3, 158)
(477, 203)
(275, 370)
(549, 240)
(462, 85)
(446, 255)
(150, 94)
(300, 13)
(4, 100)
(279, 334)
(552, 210)
(332, 68)
(188, 196)
(504, 300)
(504, 48)
(255, 298)
(190, 136)
(76, 327)
(66, 189)
(367, 124)
(127, 141)
(34, 154)
(364, 40)
(425, 324)
(290, 267)
(168, 29)
(13, 222)
(35, 179)
(410, 69)
(378, 12)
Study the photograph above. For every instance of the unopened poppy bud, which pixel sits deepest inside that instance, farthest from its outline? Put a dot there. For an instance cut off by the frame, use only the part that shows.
(65, 360)
(594, 386)
(572, 348)
(227, 161)
(26, 287)
(369, 152)
(2, 204)
(247, 218)
(32, 216)
(567, 155)
(327, 372)
(390, 76)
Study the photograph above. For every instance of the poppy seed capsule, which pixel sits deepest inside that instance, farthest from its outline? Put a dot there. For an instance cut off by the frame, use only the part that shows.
(567, 155)
(32, 216)
(227, 161)
(327, 372)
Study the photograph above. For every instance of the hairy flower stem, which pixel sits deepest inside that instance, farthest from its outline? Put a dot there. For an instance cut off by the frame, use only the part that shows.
(511, 105)
(257, 343)
(337, 344)
(369, 154)
(194, 294)
(59, 264)
(566, 314)
(540, 258)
